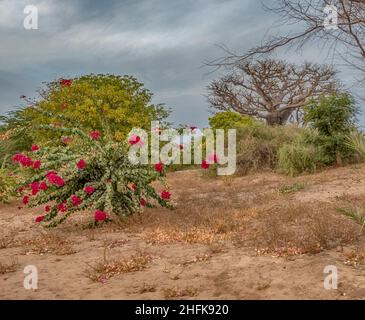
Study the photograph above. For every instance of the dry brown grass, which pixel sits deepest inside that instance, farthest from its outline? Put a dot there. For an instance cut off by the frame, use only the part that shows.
(105, 269)
(298, 228)
(113, 243)
(6, 242)
(161, 236)
(6, 268)
(171, 293)
(198, 258)
(146, 288)
(283, 228)
(355, 258)
(48, 243)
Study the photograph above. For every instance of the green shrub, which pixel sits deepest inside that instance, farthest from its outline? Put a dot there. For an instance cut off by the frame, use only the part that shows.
(356, 142)
(123, 100)
(296, 158)
(7, 184)
(230, 120)
(334, 118)
(258, 146)
(97, 175)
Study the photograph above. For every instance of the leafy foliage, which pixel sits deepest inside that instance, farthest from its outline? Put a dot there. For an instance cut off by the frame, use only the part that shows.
(7, 184)
(334, 118)
(296, 158)
(123, 100)
(229, 120)
(97, 175)
(258, 146)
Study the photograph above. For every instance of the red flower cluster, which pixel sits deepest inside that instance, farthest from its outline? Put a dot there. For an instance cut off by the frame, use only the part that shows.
(89, 190)
(165, 195)
(25, 200)
(39, 219)
(66, 140)
(213, 158)
(26, 161)
(76, 201)
(142, 202)
(100, 215)
(159, 166)
(205, 164)
(43, 186)
(66, 82)
(36, 164)
(62, 207)
(133, 140)
(35, 186)
(81, 164)
(34, 147)
(55, 179)
(23, 160)
(95, 135)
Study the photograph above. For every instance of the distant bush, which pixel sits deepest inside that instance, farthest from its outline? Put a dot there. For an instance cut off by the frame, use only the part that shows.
(124, 101)
(7, 184)
(334, 118)
(258, 146)
(296, 158)
(230, 120)
(356, 142)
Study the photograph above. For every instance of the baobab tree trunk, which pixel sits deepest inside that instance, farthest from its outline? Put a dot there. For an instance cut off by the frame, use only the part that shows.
(276, 118)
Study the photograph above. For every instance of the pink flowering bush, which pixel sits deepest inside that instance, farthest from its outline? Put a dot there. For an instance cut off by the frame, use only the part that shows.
(97, 176)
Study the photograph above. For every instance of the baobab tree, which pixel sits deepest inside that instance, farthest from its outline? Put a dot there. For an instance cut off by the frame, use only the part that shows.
(345, 40)
(269, 89)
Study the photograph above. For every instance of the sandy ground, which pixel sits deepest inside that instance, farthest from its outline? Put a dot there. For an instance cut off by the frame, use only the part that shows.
(211, 265)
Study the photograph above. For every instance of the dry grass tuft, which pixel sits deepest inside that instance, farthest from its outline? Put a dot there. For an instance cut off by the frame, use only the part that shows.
(48, 243)
(110, 243)
(298, 229)
(291, 188)
(6, 242)
(355, 258)
(161, 236)
(146, 288)
(7, 268)
(106, 269)
(170, 293)
(198, 258)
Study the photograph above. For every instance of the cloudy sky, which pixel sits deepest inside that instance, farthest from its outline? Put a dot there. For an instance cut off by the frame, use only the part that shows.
(162, 42)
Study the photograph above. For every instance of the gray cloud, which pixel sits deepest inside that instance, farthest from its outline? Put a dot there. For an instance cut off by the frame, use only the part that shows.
(163, 43)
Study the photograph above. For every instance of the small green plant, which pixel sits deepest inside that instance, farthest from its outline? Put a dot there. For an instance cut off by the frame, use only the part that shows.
(334, 118)
(291, 188)
(7, 184)
(356, 141)
(355, 213)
